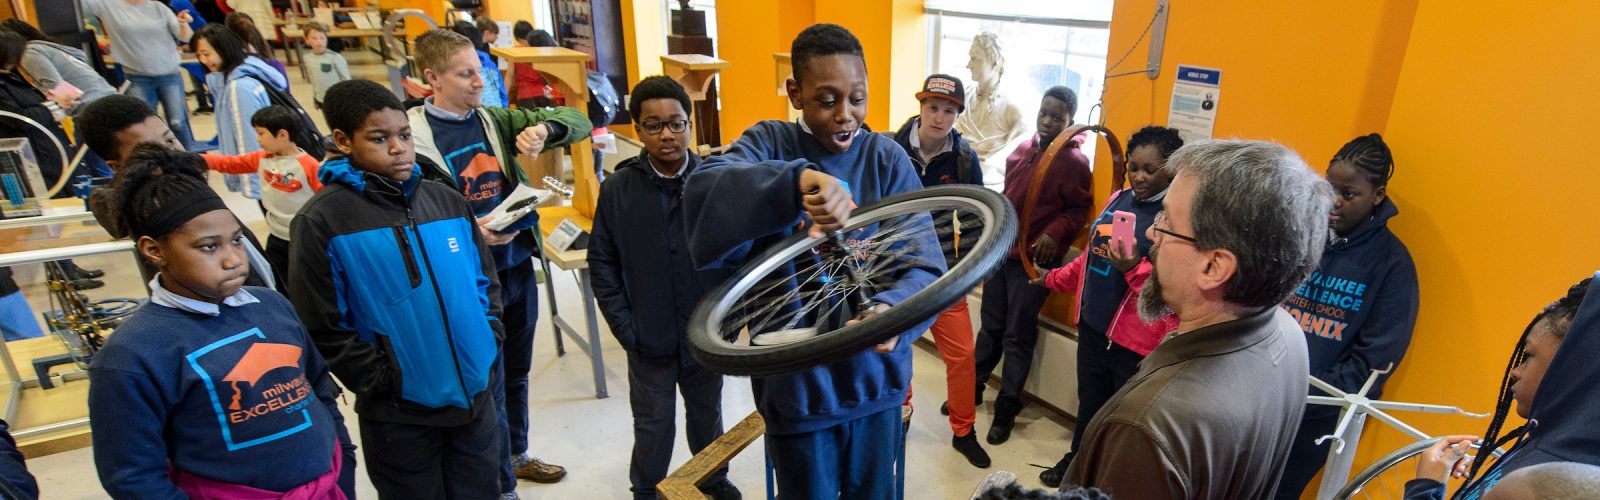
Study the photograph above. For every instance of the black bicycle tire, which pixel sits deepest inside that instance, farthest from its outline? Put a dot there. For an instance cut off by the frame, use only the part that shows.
(984, 258)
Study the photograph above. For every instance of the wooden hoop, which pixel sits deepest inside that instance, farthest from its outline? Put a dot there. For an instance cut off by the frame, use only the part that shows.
(1119, 174)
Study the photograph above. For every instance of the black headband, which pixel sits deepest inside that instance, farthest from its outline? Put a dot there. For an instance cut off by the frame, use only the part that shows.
(171, 216)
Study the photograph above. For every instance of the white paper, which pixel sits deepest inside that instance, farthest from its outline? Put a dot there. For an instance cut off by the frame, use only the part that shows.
(1195, 96)
(500, 219)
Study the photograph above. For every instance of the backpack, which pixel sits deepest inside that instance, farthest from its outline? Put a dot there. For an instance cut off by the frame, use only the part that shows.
(603, 100)
(307, 137)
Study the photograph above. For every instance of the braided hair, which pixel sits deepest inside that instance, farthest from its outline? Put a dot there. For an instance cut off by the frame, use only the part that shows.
(1165, 140)
(1559, 314)
(153, 176)
(1369, 155)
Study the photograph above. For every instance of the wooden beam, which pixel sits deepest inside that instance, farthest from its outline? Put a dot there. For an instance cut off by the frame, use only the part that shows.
(684, 483)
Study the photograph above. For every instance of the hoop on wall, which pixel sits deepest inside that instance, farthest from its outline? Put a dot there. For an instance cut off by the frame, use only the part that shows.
(1119, 174)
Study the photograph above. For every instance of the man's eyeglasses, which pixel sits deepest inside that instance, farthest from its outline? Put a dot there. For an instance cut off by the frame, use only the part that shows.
(654, 127)
(1159, 226)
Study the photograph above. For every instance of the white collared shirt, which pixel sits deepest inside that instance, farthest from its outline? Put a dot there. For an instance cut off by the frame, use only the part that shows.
(161, 296)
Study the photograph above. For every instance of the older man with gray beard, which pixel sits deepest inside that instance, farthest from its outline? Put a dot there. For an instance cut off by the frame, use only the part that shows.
(1212, 412)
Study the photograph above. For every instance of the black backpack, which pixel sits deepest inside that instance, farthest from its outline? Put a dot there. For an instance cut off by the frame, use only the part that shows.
(307, 137)
(603, 100)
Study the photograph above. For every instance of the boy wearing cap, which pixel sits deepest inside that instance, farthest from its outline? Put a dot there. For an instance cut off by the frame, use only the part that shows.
(941, 156)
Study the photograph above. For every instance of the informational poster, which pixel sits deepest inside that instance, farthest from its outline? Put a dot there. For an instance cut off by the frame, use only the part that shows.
(1194, 101)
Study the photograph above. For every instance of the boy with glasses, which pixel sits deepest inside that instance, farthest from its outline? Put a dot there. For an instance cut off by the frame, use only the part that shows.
(647, 288)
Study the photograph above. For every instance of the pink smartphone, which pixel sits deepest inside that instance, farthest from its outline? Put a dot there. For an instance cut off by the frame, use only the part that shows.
(1122, 226)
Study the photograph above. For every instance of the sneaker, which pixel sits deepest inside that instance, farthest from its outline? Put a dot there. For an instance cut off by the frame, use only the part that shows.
(539, 472)
(1052, 476)
(510, 496)
(969, 447)
(905, 414)
(944, 409)
(204, 110)
(722, 490)
(79, 272)
(1000, 430)
(87, 283)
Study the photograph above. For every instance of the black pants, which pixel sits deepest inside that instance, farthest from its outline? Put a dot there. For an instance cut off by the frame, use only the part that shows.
(1103, 368)
(426, 462)
(519, 293)
(651, 383)
(1010, 329)
(277, 254)
(1306, 456)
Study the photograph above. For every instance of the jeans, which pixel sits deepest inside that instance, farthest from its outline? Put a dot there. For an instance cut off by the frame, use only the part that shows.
(167, 91)
(1010, 331)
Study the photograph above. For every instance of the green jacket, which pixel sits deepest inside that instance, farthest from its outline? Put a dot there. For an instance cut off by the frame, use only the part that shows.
(501, 125)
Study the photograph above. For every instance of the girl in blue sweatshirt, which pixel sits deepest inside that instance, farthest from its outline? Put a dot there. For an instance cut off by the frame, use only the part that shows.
(1359, 307)
(213, 389)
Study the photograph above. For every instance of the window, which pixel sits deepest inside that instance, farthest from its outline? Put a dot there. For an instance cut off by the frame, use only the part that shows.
(1066, 47)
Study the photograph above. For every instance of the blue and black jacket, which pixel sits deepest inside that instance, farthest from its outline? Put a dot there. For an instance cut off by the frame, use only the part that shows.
(399, 294)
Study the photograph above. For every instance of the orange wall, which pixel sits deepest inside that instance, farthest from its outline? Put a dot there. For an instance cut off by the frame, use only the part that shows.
(894, 40)
(892, 35)
(1494, 207)
(1476, 122)
(748, 33)
(509, 11)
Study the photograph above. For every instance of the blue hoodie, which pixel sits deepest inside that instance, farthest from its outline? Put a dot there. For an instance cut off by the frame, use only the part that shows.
(238, 97)
(1561, 421)
(739, 203)
(1358, 309)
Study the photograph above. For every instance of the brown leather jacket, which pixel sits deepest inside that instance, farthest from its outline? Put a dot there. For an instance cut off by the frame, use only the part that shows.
(1211, 414)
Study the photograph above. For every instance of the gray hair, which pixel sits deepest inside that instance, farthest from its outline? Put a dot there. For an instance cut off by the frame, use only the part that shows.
(1561, 480)
(1261, 202)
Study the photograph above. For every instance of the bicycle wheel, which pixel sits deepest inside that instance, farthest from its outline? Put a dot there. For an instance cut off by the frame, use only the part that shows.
(1383, 471)
(787, 308)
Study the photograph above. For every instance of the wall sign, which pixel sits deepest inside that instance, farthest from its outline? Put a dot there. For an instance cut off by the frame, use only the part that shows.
(1194, 102)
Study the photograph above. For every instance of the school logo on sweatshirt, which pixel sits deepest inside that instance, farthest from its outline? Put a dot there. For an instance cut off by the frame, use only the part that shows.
(480, 177)
(258, 389)
(1323, 304)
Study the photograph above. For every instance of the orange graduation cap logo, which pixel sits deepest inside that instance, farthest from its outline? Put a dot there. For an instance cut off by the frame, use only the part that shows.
(260, 359)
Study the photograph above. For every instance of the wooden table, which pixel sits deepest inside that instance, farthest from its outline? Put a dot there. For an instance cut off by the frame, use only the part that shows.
(566, 70)
(572, 260)
(695, 72)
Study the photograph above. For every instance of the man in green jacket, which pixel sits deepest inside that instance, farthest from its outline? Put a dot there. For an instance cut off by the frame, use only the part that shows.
(470, 147)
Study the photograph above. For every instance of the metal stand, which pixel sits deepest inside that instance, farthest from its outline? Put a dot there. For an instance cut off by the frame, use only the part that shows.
(1352, 418)
(588, 340)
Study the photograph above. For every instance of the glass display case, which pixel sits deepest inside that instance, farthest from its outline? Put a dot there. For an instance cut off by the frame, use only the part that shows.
(47, 265)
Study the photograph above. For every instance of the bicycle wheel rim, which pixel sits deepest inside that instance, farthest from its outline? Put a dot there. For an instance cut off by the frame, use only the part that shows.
(708, 332)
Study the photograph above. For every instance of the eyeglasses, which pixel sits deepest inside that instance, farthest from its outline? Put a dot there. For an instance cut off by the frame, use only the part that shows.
(1161, 220)
(655, 127)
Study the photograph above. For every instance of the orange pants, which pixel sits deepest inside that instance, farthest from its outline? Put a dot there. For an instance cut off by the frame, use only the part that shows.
(952, 335)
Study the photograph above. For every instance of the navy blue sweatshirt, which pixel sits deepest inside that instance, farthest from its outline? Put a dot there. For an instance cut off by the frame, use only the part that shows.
(1103, 285)
(639, 259)
(1359, 307)
(1561, 421)
(748, 199)
(465, 147)
(241, 397)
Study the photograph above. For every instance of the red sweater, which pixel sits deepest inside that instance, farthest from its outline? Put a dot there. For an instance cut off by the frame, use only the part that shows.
(1064, 200)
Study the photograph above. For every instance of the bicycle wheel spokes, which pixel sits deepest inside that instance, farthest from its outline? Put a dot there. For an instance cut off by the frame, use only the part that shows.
(811, 287)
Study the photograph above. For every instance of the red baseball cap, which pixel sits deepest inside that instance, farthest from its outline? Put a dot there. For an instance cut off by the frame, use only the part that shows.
(944, 87)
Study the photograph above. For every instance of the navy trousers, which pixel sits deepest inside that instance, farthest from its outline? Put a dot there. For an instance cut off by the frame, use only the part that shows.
(855, 459)
(1009, 331)
(653, 386)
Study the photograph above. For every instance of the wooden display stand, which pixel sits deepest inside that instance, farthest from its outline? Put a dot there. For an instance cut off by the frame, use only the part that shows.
(566, 70)
(785, 70)
(696, 73)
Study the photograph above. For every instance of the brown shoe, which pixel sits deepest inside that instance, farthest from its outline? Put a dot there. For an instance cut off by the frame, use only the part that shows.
(539, 472)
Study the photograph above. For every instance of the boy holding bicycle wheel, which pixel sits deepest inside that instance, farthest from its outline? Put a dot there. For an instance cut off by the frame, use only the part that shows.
(833, 430)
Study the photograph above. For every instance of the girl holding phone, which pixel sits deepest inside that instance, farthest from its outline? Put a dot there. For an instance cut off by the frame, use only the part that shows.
(1112, 338)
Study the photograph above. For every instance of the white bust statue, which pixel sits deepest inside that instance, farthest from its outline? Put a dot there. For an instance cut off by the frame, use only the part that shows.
(991, 122)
